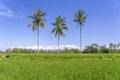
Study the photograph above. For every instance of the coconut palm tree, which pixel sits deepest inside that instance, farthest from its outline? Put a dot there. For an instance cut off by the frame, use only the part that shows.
(37, 22)
(60, 26)
(80, 18)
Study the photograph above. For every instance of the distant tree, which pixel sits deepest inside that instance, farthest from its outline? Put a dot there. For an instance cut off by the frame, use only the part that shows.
(37, 22)
(26, 50)
(8, 50)
(111, 47)
(114, 47)
(90, 49)
(104, 49)
(87, 49)
(16, 50)
(72, 50)
(60, 26)
(80, 18)
(95, 45)
(93, 48)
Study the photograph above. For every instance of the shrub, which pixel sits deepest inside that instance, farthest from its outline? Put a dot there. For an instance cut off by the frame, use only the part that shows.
(7, 56)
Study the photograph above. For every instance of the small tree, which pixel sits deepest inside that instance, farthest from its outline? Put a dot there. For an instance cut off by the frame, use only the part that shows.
(103, 49)
(8, 50)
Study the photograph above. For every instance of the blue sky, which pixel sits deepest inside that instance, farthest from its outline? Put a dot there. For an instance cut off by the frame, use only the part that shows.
(102, 25)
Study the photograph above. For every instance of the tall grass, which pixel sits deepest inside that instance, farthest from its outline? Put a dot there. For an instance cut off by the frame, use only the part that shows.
(59, 67)
(63, 56)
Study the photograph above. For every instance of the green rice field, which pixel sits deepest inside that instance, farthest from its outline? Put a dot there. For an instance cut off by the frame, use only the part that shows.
(60, 67)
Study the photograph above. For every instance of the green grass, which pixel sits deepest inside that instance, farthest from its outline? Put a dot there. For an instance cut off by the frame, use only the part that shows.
(60, 67)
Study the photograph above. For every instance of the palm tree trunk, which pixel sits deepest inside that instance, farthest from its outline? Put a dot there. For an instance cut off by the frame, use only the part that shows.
(80, 39)
(58, 43)
(38, 40)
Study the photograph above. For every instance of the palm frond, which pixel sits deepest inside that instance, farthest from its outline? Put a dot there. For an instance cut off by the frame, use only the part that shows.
(65, 28)
(35, 26)
(54, 30)
(42, 24)
(54, 24)
(30, 24)
(32, 17)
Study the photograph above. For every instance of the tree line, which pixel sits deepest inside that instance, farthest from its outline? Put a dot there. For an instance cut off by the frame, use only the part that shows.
(93, 48)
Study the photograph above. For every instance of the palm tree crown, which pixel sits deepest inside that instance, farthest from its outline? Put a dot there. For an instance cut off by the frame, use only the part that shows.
(37, 19)
(60, 25)
(80, 17)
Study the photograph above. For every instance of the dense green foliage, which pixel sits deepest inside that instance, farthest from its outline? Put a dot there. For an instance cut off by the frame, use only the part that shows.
(60, 67)
(95, 48)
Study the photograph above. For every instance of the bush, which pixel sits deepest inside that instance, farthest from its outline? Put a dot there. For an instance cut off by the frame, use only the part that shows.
(7, 56)
(105, 50)
(66, 50)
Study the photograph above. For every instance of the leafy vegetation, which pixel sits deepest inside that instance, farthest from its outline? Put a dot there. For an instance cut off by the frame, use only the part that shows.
(95, 48)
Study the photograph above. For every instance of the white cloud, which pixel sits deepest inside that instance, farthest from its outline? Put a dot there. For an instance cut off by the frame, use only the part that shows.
(5, 11)
(50, 47)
